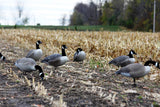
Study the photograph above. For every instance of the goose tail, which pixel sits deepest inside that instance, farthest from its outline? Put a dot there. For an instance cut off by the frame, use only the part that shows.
(110, 62)
(43, 61)
(118, 72)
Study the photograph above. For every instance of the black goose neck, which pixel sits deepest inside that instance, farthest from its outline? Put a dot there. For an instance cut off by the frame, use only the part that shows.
(149, 62)
(4, 58)
(77, 51)
(130, 55)
(63, 52)
(37, 46)
(1, 55)
(38, 68)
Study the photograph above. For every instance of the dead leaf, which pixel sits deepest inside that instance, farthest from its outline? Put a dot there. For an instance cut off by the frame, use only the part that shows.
(37, 105)
(153, 76)
(113, 98)
(87, 82)
(130, 91)
(123, 104)
(87, 70)
(146, 87)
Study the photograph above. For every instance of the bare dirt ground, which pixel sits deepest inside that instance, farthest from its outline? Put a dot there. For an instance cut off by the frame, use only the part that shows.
(79, 85)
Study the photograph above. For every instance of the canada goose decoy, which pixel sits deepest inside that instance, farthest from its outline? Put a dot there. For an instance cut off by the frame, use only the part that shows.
(124, 60)
(28, 65)
(56, 59)
(2, 58)
(137, 70)
(80, 55)
(37, 53)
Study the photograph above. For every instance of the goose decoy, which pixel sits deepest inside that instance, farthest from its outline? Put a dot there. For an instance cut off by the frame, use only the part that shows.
(124, 59)
(2, 58)
(137, 70)
(37, 53)
(28, 65)
(56, 59)
(80, 55)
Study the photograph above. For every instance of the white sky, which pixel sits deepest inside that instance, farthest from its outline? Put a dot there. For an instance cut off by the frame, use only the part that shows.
(45, 12)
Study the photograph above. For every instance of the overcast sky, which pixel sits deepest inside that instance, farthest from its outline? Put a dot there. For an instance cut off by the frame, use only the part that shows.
(45, 12)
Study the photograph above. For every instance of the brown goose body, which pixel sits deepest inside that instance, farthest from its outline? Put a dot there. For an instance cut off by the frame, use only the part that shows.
(124, 59)
(137, 70)
(37, 53)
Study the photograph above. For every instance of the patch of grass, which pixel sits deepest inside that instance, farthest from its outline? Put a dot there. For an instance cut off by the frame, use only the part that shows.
(123, 96)
(96, 64)
(76, 28)
(155, 104)
(140, 97)
(17, 81)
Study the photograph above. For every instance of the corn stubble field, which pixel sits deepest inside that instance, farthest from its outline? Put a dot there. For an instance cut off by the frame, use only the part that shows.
(92, 84)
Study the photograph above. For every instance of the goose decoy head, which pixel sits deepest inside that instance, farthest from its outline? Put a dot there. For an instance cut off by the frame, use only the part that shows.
(39, 42)
(157, 65)
(132, 52)
(154, 63)
(2, 57)
(78, 50)
(64, 47)
(41, 75)
(147, 63)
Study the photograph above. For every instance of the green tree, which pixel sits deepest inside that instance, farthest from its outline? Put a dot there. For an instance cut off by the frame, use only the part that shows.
(113, 12)
(76, 19)
(106, 13)
(140, 15)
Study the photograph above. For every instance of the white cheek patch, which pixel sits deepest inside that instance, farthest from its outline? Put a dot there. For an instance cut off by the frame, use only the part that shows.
(131, 52)
(1, 57)
(40, 74)
(156, 64)
(37, 43)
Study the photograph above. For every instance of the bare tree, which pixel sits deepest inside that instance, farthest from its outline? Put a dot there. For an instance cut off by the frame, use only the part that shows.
(85, 14)
(154, 16)
(22, 19)
(63, 20)
(20, 8)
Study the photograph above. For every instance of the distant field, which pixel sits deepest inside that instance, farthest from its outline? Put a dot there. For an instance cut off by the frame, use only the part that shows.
(100, 47)
(76, 28)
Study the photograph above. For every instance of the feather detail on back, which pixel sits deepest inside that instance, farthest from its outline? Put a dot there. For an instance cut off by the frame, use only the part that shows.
(117, 61)
(58, 61)
(135, 70)
(35, 54)
(127, 62)
(26, 64)
(51, 57)
(79, 56)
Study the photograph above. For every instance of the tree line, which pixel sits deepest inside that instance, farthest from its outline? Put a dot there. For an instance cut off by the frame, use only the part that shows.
(133, 14)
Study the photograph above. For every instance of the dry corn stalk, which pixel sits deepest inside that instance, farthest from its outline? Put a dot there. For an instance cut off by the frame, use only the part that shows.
(28, 81)
(101, 46)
